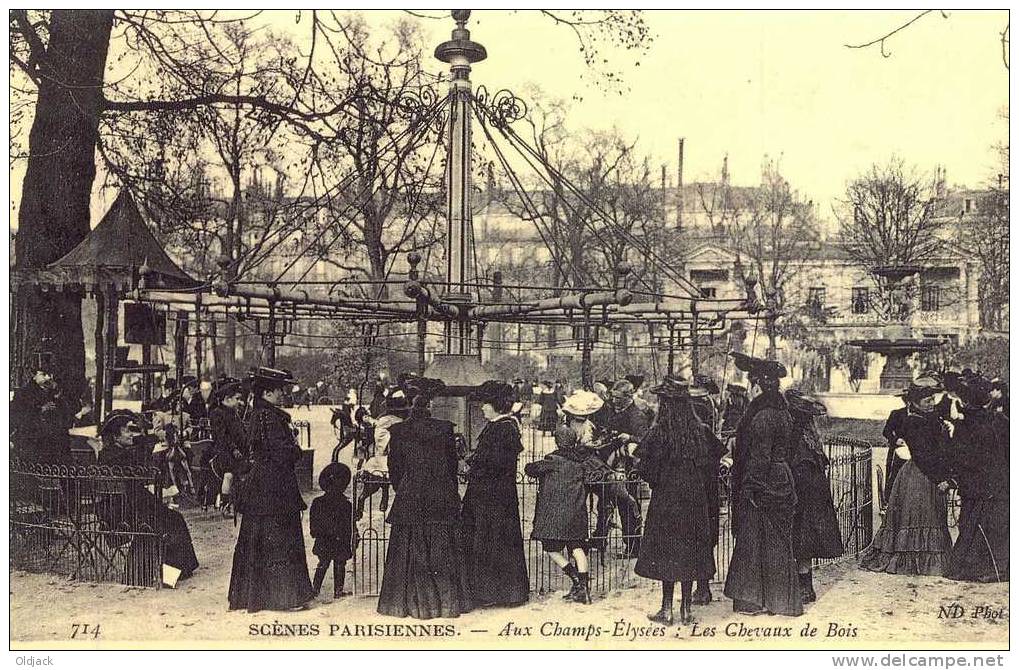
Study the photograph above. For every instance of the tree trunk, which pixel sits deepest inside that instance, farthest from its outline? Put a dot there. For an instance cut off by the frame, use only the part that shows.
(55, 195)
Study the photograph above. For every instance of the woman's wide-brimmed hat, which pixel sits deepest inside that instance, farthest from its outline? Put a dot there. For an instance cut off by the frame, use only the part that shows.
(582, 403)
(976, 391)
(758, 367)
(423, 386)
(334, 474)
(672, 386)
(636, 380)
(492, 390)
(801, 403)
(920, 388)
(116, 420)
(397, 401)
(271, 378)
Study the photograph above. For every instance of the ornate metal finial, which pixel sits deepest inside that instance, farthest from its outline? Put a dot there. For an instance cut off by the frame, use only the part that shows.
(460, 51)
(413, 258)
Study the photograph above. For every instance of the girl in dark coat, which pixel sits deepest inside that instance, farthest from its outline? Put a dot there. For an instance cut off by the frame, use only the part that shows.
(762, 573)
(423, 573)
(495, 565)
(560, 510)
(125, 445)
(913, 538)
(675, 459)
(332, 526)
(815, 526)
(979, 450)
(270, 568)
(549, 401)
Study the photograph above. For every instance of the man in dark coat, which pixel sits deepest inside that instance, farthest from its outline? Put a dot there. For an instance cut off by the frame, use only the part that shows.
(40, 418)
(623, 423)
(762, 572)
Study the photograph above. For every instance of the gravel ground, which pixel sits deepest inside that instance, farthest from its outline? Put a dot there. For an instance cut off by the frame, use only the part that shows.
(856, 609)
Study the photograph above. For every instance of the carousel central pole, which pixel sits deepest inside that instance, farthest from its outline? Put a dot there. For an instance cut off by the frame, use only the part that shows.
(460, 52)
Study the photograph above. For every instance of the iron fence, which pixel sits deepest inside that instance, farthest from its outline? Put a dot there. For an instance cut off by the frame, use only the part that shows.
(92, 523)
(849, 476)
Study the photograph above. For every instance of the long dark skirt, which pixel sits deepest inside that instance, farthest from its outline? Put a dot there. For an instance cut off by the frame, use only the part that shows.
(981, 551)
(270, 568)
(762, 571)
(494, 563)
(678, 543)
(178, 549)
(422, 577)
(815, 525)
(913, 538)
(549, 417)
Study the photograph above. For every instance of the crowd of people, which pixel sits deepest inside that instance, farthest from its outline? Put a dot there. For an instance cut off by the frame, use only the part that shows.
(448, 554)
(951, 433)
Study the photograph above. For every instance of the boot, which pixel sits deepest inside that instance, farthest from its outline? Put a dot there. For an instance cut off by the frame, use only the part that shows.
(685, 616)
(583, 594)
(663, 615)
(338, 578)
(702, 595)
(571, 572)
(320, 575)
(807, 594)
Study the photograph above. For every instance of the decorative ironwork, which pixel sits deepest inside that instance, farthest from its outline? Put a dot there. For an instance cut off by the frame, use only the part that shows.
(849, 477)
(502, 108)
(93, 523)
(419, 104)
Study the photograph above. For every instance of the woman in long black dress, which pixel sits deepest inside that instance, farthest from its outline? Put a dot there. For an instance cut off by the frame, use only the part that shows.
(675, 459)
(549, 401)
(270, 567)
(495, 566)
(422, 576)
(913, 538)
(979, 454)
(125, 445)
(815, 524)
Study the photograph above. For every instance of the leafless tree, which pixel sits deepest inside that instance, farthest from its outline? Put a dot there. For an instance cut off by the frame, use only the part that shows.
(775, 229)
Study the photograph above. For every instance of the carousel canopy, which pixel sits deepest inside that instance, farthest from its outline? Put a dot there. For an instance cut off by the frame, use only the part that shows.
(111, 255)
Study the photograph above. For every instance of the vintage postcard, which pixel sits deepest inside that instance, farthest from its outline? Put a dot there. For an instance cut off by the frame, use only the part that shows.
(510, 329)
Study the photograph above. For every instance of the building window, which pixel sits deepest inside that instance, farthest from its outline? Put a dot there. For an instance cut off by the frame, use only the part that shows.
(709, 275)
(816, 296)
(861, 300)
(930, 298)
(709, 292)
(969, 205)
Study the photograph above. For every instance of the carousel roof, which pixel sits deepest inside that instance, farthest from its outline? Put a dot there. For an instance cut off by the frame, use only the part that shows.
(112, 253)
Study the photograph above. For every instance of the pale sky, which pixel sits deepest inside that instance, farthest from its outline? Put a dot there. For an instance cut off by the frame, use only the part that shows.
(782, 83)
(776, 83)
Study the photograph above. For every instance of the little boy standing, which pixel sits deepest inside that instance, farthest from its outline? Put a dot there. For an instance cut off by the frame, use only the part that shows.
(332, 527)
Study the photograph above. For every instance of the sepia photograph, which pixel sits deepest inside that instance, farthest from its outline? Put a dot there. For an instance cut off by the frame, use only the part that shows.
(532, 329)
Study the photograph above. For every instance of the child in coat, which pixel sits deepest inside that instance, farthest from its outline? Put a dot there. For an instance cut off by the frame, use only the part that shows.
(560, 511)
(332, 527)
